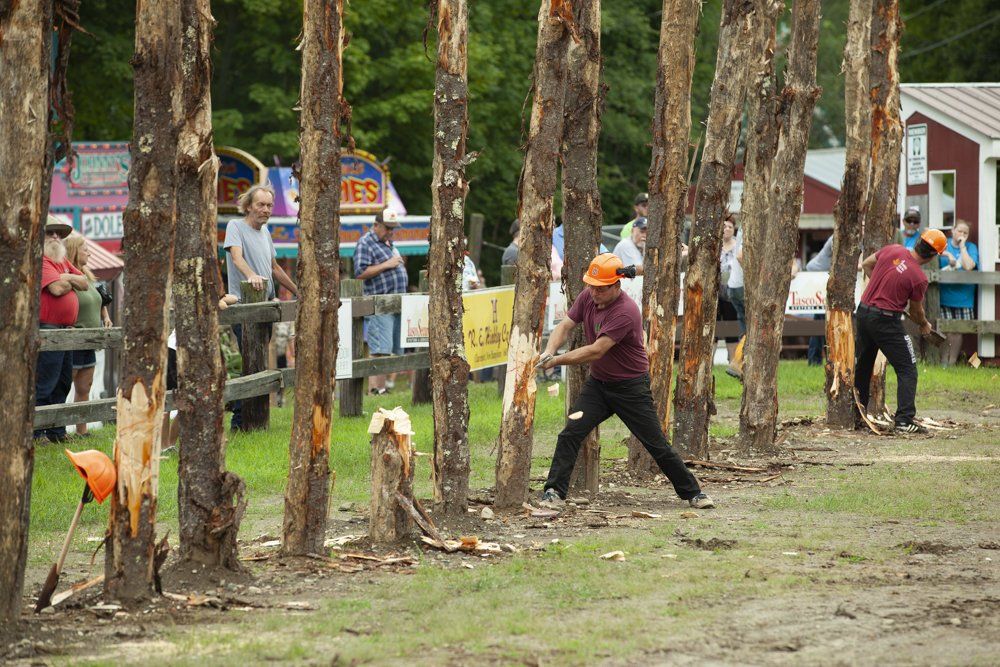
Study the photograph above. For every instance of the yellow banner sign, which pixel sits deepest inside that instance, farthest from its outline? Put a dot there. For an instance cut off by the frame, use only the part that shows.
(486, 325)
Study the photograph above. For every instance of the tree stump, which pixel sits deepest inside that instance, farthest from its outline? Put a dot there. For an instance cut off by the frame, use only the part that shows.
(256, 410)
(392, 463)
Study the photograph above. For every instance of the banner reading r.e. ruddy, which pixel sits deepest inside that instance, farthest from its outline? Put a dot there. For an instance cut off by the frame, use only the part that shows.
(485, 324)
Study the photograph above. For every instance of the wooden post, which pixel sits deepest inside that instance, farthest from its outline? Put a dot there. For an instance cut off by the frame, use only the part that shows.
(24, 61)
(536, 192)
(582, 202)
(307, 495)
(210, 500)
(449, 187)
(150, 223)
(668, 190)
(256, 410)
(475, 245)
(886, 147)
(392, 463)
(695, 401)
(508, 273)
(352, 391)
(420, 389)
(770, 241)
(849, 216)
(932, 310)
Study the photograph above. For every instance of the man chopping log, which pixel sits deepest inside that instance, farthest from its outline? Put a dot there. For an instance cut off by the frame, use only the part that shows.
(618, 383)
(896, 285)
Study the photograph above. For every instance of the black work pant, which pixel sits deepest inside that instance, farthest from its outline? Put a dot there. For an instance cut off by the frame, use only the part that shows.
(632, 401)
(882, 332)
(53, 380)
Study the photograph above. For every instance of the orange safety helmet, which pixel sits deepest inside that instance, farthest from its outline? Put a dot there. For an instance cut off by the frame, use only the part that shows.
(603, 270)
(935, 239)
(97, 469)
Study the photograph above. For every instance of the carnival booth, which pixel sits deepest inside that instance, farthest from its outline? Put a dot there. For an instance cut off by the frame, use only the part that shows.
(365, 189)
(950, 173)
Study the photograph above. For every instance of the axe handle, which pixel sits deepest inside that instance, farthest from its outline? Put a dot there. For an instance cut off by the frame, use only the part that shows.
(69, 537)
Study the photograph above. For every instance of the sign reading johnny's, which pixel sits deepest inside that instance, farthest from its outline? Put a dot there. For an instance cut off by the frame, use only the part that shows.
(916, 154)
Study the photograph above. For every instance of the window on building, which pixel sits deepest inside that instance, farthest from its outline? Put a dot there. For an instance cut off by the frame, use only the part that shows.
(941, 196)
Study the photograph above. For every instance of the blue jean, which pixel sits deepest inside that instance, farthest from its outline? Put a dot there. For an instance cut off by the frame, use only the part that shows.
(816, 344)
(53, 380)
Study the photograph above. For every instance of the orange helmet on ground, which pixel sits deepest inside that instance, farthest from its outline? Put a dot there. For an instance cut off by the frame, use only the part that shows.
(97, 469)
(935, 238)
(603, 270)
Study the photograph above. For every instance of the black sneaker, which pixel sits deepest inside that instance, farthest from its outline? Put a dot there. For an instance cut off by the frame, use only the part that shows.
(551, 499)
(701, 502)
(909, 427)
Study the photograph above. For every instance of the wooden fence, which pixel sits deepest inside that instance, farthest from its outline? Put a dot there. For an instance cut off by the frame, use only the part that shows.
(351, 390)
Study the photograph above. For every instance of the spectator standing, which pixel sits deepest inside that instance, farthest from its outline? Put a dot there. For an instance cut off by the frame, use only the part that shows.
(250, 256)
(727, 255)
(510, 252)
(632, 249)
(911, 227)
(93, 314)
(821, 262)
(58, 310)
(640, 209)
(382, 270)
(958, 302)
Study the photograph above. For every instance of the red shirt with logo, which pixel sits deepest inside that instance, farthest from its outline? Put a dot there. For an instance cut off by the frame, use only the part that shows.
(896, 280)
(57, 310)
(621, 321)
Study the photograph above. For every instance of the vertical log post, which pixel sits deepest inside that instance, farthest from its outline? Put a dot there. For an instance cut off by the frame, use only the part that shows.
(150, 224)
(420, 389)
(536, 191)
(695, 402)
(24, 61)
(352, 391)
(307, 496)
(886, 147)
(449, 369)
(392, 463)
(849, 217)
(770, 244)
(475, 245)
(257, 409)
(582, 202)
(668, 188)
(210, 500)
(508, 274)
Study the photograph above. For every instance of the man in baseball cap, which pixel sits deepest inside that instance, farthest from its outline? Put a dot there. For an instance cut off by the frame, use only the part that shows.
(618, 382)
(640, 206)
(911, 226)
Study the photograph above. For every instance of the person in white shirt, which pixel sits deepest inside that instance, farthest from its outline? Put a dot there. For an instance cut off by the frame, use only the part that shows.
(632, 249)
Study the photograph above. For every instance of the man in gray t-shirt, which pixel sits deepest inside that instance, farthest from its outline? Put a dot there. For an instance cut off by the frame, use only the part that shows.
(250, 253)
(631, 250)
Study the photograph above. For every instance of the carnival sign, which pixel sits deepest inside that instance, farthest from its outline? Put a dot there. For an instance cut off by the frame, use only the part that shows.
(238, 170)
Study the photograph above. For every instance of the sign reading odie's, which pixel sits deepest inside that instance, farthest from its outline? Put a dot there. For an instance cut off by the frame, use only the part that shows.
(486, 324)
(238, 171)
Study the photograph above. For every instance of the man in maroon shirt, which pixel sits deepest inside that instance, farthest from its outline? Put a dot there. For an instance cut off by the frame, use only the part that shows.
(896, 285)
(58, 310)
(618, 383)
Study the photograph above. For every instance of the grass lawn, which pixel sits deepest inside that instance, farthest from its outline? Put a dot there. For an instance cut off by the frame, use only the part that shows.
(756, 581)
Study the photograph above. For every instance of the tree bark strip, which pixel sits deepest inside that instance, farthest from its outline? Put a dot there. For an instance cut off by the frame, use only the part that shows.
(581, 198)
(886, 146)
(695, 382)
(210, 500)
(770, 240)
(150, 223)
(256, 414)
(449, 367)
(307, 496)
(24, 113)
(849, 216)
(535, 193)
(668, 189)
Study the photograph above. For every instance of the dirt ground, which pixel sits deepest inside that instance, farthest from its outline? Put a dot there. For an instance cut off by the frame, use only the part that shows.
(934, 598)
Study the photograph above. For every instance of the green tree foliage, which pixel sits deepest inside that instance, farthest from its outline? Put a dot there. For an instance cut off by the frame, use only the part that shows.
(389, 81)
